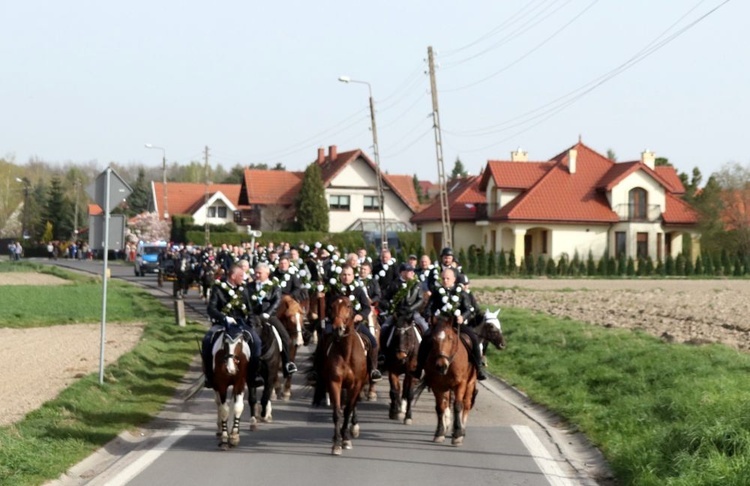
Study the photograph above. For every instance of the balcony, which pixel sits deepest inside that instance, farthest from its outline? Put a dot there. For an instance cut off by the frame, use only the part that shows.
(633, 213)
(485, 210)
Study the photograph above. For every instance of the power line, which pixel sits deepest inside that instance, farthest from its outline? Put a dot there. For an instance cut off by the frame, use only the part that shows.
(566, 100)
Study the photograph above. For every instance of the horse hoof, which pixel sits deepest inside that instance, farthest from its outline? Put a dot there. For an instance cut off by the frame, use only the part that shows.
(253, 424)
(234, 440)
(438, 439)
(393, 415)
(372, 396)
(355, 431)
(457, 441)
(286, 396)
(336, 451)
(224, 446)
(347, 445)
(407, 421)
(267, 420)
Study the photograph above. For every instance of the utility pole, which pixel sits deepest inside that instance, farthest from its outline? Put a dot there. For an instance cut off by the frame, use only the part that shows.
(381, 195)
(445, 216)
(206, 229)
(77, 185)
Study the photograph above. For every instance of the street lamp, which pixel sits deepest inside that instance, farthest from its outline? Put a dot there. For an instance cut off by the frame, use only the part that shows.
(376, 152)
(25, 221)
(164, 175)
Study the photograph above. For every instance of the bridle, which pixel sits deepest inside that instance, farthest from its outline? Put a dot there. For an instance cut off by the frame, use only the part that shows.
(454, 348)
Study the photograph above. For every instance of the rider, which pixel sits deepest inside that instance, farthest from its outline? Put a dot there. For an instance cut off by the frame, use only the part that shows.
(448, 299)
(265, 297)
(288, 279)
(229, 304)
(384, 269)
(406, 298)
(361, 303)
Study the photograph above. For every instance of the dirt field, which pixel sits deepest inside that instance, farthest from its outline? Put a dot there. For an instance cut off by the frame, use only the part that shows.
(676, 310)
(74, 352)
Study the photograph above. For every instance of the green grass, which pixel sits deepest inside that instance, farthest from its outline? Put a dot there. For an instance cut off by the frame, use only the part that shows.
(78, 302)
(85, 416)
(662, 414)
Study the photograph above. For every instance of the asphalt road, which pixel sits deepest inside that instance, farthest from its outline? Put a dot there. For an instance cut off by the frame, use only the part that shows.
(509, 440)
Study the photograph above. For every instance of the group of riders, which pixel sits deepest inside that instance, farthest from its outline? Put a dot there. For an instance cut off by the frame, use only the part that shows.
(384, 290)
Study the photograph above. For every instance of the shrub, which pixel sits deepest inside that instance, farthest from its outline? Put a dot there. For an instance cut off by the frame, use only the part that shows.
(630, 271)
(492, 263)
(512, 266)
(502, 264)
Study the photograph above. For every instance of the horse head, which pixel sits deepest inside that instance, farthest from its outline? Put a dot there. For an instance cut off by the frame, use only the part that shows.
(404, 339)
(342, 316)
(232, 346)
(489, 328)
(445, 342)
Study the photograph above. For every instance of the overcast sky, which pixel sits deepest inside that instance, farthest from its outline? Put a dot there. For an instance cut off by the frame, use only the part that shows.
(257, 81)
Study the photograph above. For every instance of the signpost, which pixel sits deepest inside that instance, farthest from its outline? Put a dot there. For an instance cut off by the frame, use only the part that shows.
(108, 190)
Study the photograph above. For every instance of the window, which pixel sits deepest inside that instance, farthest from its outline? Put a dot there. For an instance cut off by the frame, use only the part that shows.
(641, 248)
(638, 204)
(620, 244)
(222, 211)
(212, 212)
(371, 203)
(339, 202)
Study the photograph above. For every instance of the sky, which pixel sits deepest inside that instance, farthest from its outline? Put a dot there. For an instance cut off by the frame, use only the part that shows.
(257, 82)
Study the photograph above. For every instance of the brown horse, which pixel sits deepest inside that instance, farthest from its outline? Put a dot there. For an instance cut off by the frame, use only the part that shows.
(489, 330)
(230, 357)
(401, 359)
(452, 378)
(368, 392)
(344, 373)
(291, 315)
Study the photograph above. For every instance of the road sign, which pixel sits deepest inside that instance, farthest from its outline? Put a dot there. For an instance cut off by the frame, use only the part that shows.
(119, 190)
(116, 232)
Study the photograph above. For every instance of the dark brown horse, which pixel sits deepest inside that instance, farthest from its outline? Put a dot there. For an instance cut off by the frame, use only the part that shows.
(270, 365)
(489, 330)
(292, 316)
(452, 378)
(230, 357)
(401, 359)
(344, 373)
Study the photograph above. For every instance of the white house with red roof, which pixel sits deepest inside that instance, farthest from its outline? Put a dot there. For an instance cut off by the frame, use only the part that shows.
(267, 197)
(188, 198)
(576, 202)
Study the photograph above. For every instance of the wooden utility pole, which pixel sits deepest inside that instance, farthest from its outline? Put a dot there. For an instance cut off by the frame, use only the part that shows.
(206, 229)
(445, 216)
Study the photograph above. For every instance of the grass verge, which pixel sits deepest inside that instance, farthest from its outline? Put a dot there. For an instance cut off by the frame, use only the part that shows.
(85, 416)
(662, 414)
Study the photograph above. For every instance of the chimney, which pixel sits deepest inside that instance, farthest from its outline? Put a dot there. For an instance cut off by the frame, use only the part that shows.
(519, 156)
(321, 155)
(332, 153)
(648, 158)
(572, 159)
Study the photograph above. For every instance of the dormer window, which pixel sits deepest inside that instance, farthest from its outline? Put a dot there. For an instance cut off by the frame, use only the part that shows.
(638, 204)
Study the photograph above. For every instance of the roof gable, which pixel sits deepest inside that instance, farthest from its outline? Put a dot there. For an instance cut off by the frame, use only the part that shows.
(187, 197)
(463, 196)
(270, 187)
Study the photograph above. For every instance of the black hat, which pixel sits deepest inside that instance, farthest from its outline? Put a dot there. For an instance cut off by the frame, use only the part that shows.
(447, 251)
(406, 267)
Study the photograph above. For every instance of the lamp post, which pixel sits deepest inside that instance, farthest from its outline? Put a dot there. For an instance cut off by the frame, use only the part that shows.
(164, 176)
(25, 221)
(376, 153)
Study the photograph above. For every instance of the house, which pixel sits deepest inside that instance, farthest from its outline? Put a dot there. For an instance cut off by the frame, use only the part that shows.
(267, 197)
(576, 202)
(215, 202)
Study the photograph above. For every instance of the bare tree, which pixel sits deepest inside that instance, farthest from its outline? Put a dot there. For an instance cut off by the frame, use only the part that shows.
(276, 217)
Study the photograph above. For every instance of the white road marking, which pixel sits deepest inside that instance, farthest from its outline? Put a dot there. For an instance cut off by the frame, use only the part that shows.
(137, 466)
(541, 456)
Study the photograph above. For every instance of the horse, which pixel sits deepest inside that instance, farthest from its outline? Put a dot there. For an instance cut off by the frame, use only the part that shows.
(343, 373)
(489, 330)
(315, 314)
(452, 378)
(230, 357)
(270, 365)
(372, 322)
(401, 359)
(186, 273)
(208, 276)
(291, 315)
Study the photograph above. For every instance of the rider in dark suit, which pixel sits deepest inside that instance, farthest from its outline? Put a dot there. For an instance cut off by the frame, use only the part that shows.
(288, 280)
(451, 298)
(225, 309)
(265, 297)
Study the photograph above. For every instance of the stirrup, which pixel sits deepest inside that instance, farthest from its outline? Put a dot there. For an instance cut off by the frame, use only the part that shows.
(481, 376)
(375, 375)
(291, 368)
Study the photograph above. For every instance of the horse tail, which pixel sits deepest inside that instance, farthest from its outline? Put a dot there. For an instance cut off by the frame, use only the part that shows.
(418, 389)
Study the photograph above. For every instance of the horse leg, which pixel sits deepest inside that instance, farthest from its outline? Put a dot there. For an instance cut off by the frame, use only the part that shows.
(408, 396)
(265, 400)
(334, 393)
(395, 395)
(459, 417)
(443, 415)
(223, 416)
(239, 406)
(252, 399)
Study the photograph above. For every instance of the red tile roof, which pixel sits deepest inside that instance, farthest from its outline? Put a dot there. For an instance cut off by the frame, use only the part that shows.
(270, 187)
(187, 197)
(463, 196)
(514, 175)
(669, 175)
(679, 212)
(403, 186)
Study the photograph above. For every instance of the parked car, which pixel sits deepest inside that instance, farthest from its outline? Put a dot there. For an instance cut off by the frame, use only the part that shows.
(147, 258)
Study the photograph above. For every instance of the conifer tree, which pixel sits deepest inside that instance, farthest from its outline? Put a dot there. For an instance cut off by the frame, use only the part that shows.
(611, 266)
(472, 259)
(562, 265)
(491, 263)
(462, 260)
(669, 265)
(590, 265)
(502, 264)
(689, 269)
(649, 266)
(737, 266)
(630, 270)
(679, 265)
(709, 264)
(512, 267)
(312, 207)
(138, 200)
(540, 265)
(699, 270)
(551, 269)
(482, 262)
(575, 265)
